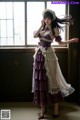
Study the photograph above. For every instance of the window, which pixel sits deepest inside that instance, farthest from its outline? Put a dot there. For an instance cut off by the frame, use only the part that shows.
(19, 19)
(12, 26)
(34, 17)
(60, 13)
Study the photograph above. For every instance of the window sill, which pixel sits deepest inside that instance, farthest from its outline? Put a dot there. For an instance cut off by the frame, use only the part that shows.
(28, 49)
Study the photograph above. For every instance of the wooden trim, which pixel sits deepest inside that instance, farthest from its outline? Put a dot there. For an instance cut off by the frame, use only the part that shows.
(68, 62)
(29, 50)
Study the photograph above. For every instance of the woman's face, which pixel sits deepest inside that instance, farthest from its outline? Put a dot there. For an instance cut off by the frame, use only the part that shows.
(47, 21)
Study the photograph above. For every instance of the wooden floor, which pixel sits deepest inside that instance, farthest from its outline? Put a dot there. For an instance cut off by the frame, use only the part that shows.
(27, 111)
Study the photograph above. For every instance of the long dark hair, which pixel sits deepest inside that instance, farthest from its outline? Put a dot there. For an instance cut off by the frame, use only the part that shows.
(57, 21)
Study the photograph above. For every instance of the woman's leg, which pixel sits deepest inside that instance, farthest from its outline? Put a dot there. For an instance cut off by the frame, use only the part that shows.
(42, 109)
(56, 109)
(42, 112)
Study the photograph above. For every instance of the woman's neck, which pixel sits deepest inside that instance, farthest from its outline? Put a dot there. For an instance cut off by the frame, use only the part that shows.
(48, 26)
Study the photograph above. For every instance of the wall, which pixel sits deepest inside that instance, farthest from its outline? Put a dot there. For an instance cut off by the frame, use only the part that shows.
(73, 53)
(16, 73)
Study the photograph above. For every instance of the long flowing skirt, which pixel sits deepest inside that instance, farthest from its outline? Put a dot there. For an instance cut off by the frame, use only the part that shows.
(48, 85)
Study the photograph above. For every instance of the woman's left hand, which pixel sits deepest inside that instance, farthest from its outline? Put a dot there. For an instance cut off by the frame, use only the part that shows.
(75, 40)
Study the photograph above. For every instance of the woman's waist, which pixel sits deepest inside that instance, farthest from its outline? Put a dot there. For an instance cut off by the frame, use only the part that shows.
(44, 43)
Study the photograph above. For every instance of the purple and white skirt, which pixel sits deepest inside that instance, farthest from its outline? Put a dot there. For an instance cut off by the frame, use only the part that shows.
(48, 85)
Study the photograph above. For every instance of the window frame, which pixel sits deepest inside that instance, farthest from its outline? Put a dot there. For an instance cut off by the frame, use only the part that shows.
(25, 22)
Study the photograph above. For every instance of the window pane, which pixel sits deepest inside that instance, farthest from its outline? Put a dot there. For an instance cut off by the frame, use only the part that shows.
(9, 28)
(2, 10)
(9, 11)
(12, 23)
(59, 9)
(3, 41)
(9, 41)
(34, 17)
(19, 23)
(3, 28)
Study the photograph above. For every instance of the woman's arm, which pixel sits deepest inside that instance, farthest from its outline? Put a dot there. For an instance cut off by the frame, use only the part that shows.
(59, 39)
(73, 40)
(36, 33)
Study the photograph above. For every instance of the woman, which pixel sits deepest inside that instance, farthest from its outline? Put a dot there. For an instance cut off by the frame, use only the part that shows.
(49, 85)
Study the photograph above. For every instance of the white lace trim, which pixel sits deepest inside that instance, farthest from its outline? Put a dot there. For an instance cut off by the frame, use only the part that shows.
(56, 81)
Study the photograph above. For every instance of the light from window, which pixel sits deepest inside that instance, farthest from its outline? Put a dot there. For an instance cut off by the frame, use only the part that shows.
(12, 30)
(34, 12)
(12, 21)
(60, 10)
(34, 17)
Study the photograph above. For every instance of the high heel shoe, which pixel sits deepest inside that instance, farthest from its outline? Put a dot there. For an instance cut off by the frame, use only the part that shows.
(42, 116)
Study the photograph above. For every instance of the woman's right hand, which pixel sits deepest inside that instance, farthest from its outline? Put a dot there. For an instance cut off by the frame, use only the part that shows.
(42, 22)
